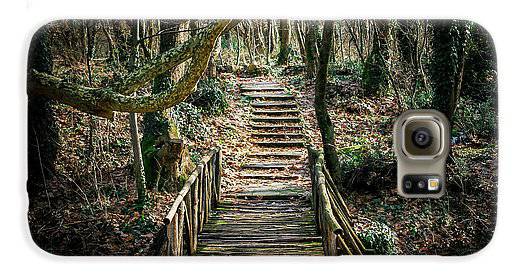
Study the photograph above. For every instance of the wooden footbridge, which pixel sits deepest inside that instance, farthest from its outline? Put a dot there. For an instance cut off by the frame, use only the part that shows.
(276, 209)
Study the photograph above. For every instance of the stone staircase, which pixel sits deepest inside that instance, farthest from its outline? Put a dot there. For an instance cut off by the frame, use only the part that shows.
(269, 214)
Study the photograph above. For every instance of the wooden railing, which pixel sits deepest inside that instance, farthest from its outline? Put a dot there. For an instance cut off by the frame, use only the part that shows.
(191, 208)
(331, 213)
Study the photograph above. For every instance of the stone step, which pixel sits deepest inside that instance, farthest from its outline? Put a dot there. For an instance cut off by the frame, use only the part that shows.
(275, 127)
(260, 83)
(274, 104)
(277, 154)
(277, 135)
(268, 211)
(288, 143)
(270, 96)
(275, 119)
(265, 166)
(262, 88)
(276, 112)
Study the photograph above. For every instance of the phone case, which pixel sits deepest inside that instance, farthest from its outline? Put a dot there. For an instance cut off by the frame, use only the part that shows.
(255, 137)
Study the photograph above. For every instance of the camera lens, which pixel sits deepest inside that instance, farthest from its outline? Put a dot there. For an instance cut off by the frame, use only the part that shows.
(421, 184)
(421, 137)
(408, 184)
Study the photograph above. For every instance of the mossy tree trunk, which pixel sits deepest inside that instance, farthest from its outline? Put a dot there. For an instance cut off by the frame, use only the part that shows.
(157, 125)
(323, 118)
(447, 64)
(374, 75)
(42, 130)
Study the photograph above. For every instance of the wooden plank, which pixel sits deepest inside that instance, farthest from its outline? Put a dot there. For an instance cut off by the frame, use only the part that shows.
(274, 195)
(211, 251)
(270, 176)
(261, 239)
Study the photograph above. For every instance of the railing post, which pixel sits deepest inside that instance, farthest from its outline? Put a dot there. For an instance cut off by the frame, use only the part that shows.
(192, 207)
(195, 216)
(202, 196)
(180, 229)
(218, 174)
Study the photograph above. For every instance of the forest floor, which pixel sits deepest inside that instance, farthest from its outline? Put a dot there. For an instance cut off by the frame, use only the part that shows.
(461, 222)
(90, 209)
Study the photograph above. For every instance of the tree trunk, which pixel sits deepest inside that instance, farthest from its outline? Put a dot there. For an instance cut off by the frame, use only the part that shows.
(138, 164)
(312, 54)
(248, 38)
(374, 75)
(42, 130)
(269, 45)
(284, 35)
(340, 37)
(447, 65)
(323, 118)
(157, 125)
(300, 41)
(238, 58)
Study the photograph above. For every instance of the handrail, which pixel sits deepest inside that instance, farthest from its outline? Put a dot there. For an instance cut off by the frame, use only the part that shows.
(331, 213)
(191, 208)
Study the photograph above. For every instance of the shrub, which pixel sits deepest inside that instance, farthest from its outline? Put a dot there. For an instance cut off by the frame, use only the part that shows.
(422, 99)
(365, 164)
(349, 70)
(373, 75)
(378, 236)
(210, 96)
(476, 120)
(189, 121)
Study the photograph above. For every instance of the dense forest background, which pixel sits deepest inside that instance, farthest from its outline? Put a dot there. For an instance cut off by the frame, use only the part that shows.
(115, 124)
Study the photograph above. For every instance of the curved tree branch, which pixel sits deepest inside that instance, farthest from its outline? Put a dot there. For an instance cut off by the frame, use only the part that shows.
(104, 101)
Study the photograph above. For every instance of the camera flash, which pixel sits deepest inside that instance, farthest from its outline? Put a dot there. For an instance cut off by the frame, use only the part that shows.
(433, 184)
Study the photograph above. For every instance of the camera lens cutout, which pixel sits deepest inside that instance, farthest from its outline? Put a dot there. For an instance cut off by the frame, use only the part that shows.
(419, 184)
(422, 137)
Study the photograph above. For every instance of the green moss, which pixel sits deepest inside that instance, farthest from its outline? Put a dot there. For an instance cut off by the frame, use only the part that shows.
(148, 157)
(380, 237)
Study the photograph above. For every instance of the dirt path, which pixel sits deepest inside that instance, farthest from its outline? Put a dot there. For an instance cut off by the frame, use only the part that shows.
(266, 210)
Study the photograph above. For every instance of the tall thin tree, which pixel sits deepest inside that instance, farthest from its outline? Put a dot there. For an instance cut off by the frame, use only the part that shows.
(138, 164)
(323, 118)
